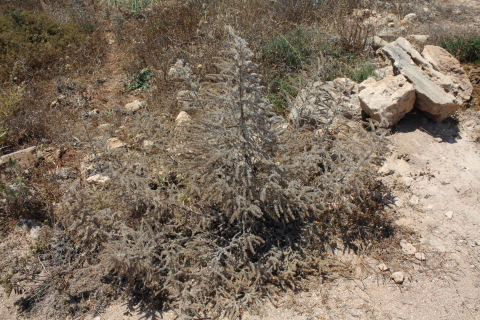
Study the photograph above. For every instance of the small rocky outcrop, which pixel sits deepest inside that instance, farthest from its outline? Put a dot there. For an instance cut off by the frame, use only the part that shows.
(440, 83)
(388, 100)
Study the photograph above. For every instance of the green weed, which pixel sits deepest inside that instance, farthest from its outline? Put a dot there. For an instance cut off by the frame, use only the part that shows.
(279, 90)
(362, 73)
(134, 8)
(290, 50)
(11, 99)
(465, 49)
(140, 80)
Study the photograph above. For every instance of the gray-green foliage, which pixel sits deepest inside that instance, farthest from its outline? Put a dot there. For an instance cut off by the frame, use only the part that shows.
(362, 73)
(231, 165)
(258, 208)
(466, 49)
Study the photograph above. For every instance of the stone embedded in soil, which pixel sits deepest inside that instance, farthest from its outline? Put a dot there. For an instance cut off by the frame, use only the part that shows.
(449, 214)
(180, 71)
(398, 277)
(420, 256)
(383, 267)
(414, 200)
(183, 118)
(410, 17)
(477, 242)
(105, 126)
(114, 143)
(98, 179)
(135, 105)
(407, 247)
(147, 143)
(34, 233)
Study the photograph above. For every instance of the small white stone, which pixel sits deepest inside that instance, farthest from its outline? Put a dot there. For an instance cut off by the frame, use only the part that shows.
(398, 277)
(449, 214)
(383, 267)
(391, 17)
(420, 256)
(105, 126)
(114, 143)
(35, 232)
(147, 143)
(399, 202)
(414, 200)
(98, 179)
(477, 242)
(135, 105)
(410, 17)
(182, 118)
(407, 247)
(391, 25)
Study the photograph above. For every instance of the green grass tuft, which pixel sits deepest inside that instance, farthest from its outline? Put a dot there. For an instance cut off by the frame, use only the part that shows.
(290, 50)
(465, 49)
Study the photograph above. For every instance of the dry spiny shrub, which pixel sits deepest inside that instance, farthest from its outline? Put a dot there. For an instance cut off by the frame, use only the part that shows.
(223, 210)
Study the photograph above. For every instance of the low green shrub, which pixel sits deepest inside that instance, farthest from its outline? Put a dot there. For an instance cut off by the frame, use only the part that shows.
(134, 8)
(290, 50)
(11, 99)
(362, 73)
(140, 80)
(278, 92)
(340, 63)
(32, 42)
(465, 49)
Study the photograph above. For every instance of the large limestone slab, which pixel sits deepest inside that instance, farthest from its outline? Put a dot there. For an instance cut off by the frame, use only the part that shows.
(432, 98)
(388, 100)
(457, 81)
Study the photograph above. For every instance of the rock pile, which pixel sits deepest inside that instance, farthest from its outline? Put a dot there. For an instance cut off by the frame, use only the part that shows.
(440, 85)
(433, 81)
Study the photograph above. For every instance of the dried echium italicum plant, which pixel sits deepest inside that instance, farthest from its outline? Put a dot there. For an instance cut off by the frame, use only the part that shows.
(227, 152)
(242, 212)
